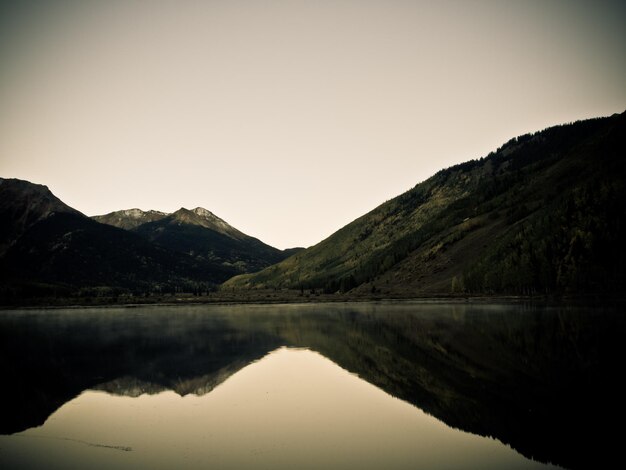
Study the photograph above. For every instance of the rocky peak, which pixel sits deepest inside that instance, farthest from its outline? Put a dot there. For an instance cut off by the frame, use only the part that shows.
(129, 218)
(205, 218)
(138, 213)
(202, 212)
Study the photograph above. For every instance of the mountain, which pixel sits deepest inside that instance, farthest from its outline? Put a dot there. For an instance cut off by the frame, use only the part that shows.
(200, 234)
(130, 218)
(545, 213)
(54, 249)
(23, 204)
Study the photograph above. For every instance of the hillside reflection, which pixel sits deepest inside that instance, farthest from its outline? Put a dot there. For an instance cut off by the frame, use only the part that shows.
(543, 380)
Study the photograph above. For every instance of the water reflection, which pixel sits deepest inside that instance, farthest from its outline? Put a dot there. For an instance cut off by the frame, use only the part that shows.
(542, 380)
(292, 409)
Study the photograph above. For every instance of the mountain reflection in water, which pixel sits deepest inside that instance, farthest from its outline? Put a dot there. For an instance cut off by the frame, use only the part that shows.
(543, 380)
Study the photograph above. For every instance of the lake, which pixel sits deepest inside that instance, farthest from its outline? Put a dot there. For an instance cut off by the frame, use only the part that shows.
(372, 385)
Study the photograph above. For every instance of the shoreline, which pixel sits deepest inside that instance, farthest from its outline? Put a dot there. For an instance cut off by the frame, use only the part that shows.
(104, 303)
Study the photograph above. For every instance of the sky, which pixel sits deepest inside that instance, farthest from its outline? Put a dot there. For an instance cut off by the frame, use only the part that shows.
(288, 119)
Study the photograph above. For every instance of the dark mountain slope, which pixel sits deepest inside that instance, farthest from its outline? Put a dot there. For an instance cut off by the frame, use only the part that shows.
(543, 214)
(54, 249)
(23, 204)
(71, 251)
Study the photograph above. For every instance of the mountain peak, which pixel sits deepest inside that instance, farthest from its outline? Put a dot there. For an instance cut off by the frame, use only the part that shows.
(205, 218)
(202, 212)
(132, 218)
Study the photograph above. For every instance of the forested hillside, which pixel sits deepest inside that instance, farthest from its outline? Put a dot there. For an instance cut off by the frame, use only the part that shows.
(545, 213)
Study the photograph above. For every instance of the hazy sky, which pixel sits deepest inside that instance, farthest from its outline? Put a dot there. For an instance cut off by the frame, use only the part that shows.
(288, 119)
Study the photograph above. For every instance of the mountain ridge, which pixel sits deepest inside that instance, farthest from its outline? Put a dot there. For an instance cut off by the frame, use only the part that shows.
(132, 218)
(201, 234)
(70, 254)
(49, 249)
(129, 218)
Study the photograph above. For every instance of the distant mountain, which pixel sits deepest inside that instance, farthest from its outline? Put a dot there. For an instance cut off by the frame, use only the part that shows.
(204, 218)
(129, 218)
(52, 248)
(200, 234)
(545, 213)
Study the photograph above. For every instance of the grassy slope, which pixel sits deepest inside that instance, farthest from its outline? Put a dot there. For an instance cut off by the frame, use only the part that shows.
(544, 213)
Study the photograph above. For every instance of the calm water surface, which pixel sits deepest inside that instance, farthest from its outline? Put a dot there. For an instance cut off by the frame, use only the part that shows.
(311, 386)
